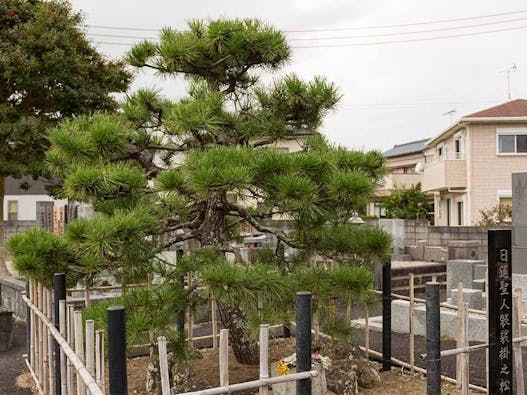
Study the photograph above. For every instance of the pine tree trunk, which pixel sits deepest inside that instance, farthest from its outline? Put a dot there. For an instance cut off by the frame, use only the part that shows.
(244, 348)
(3, 267)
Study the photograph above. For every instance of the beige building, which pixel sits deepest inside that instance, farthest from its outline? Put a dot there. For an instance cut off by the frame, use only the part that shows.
(405, 168)
(468, 166)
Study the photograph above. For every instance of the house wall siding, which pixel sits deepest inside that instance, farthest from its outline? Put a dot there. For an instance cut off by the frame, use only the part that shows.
(489, 172)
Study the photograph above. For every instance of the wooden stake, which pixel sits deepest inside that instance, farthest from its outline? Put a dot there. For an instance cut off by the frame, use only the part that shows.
(40, 297)
(163, 365)
(411, 323)
(79, 348)
(31, 297)
(90, 351)
(214, 324)
(316, 325)
(190, 315)
(517, 315)
(459, 340)
(38, 337)
(71, 341)
(367, 331)
(264, 356)
(348, 313)
(62, 329)
(86, 295)
(224, 357)
(465, 378)
(99, 358)
(51, 346)
(45, 374)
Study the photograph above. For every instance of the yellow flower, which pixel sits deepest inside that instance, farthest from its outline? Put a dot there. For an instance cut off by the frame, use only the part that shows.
(282, 368)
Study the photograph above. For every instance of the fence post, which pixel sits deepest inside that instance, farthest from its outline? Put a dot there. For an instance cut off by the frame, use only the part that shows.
(59, 293)
(411, 323)
(264, 355)
(63, 358)
(433, 345)
(517, 346)
(387, 316)
(224, 357)
(28, 326)
(303, 340)
(465, 361)
(99, 358)
(117, 350)
(459, 341)
(163, 365)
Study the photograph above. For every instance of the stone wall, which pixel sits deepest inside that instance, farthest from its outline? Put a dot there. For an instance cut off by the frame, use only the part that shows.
(11, 296)
(11, 228)
(442, 236)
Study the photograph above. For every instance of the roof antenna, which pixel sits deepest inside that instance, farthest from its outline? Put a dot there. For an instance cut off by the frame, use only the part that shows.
(508, 71)
(451, 113)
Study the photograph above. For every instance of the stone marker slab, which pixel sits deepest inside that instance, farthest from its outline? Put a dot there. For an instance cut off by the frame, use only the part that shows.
(460, 270)
(471, 296)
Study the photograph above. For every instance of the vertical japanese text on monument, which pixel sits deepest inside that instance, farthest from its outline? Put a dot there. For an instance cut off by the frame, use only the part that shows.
(504, 327)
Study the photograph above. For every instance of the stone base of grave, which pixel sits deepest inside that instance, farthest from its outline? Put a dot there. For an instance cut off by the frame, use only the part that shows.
(318, 384)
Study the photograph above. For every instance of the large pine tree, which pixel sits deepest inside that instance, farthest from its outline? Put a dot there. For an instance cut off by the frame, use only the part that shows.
(166, 172)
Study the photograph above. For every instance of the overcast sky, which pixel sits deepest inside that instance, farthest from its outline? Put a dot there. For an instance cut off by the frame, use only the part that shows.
(392, 93)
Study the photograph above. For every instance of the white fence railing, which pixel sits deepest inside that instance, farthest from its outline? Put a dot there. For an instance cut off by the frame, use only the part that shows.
(89, 376)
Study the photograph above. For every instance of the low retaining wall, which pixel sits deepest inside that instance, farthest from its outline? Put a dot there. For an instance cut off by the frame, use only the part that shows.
(11, 296)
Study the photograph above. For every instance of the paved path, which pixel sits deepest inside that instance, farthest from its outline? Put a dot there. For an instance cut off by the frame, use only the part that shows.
(12, 364)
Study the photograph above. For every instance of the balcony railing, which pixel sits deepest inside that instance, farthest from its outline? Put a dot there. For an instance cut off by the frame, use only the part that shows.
(445, 174)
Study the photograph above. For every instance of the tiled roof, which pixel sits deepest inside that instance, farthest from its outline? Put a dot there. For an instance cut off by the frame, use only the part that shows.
(406, 148)
(514, 108)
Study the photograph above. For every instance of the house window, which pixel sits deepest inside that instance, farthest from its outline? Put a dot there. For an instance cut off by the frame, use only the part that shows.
(409, 170)
(458, 147)
(512, 143)
(12, 210)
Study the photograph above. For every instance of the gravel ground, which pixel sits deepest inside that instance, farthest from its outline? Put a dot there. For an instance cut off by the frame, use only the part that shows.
(12, 364)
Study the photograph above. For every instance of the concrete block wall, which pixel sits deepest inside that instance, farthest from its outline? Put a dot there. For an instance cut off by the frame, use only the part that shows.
(11, 228)
(440, 236)
(11, 296)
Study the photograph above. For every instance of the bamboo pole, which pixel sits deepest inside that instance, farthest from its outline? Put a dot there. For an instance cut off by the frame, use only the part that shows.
(255, 384)
(45, 375)
(51, 360)
(71, 341)
(33, 324)
(163, 365)
(465, 378)
(79, 348)
(316, 325)
(459, 340)
(90, 351)
(264, 356)
(67, 350)
(33, 375)
(367, 331)
(62, 328)
(40, 330)
(411, 323)
(190, 315)
(86, 295)
(99, 358)
(224, 357)
(214, 324)
(39, 343)
(348, 313)
(517, 347)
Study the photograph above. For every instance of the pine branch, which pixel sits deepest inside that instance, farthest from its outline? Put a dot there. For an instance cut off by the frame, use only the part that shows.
(261, 228)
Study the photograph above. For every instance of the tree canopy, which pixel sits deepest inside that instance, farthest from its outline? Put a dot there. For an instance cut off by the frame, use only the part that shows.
(48, 72)
(190, 172)
(407, 203)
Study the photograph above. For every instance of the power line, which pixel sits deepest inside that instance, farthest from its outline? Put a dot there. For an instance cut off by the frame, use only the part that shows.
(347, 37)
(372, 42)
(342, 28)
